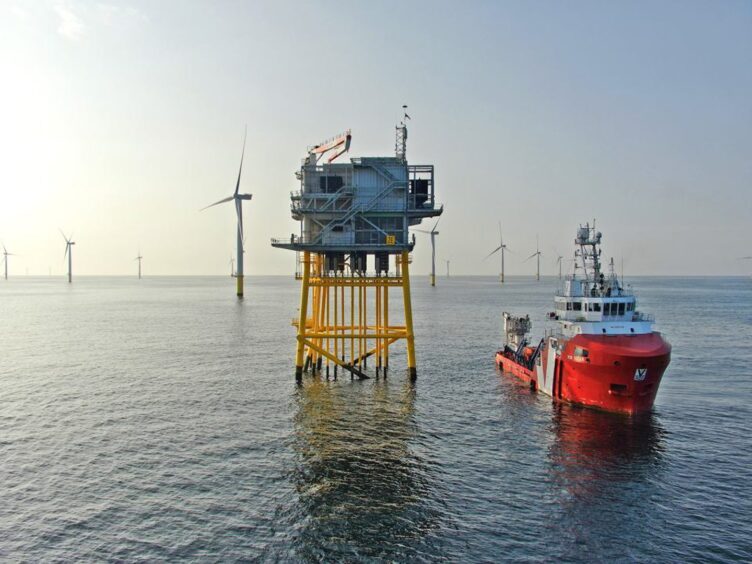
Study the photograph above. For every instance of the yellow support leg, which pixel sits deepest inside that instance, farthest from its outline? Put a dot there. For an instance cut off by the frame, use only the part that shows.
(386, 325)
(408, 317)
(239, 286)
(299, 356)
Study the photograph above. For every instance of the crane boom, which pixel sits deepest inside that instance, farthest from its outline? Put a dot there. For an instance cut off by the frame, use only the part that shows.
(341, 142)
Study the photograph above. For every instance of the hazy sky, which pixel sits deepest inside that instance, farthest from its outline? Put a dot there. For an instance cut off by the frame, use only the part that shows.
(118, 121)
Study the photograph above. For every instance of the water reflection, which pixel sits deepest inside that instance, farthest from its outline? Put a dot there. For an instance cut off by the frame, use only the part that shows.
(362, 483)
(591, 446)
(599, 462)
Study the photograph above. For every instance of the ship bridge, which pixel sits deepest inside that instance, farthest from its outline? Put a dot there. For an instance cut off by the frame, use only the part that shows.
(594, 297)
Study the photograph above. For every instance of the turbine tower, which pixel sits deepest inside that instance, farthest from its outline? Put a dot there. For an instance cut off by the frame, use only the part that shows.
(537, 254)
(138, 258)
(559, 258)
(447, 268)
(433, 234)
(238, 198)
(232, 267)
(6, 254)
(69, 253)
(503, 248)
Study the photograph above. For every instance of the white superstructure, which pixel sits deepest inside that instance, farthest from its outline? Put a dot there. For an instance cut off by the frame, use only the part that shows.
(591, 302)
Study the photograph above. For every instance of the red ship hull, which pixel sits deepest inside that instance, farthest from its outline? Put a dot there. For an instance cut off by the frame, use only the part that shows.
(619, 373)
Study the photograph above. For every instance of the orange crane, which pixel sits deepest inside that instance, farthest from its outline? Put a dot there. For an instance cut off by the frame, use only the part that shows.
(341, 142)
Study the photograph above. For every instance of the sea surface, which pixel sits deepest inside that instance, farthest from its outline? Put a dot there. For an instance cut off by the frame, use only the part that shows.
(159, 420)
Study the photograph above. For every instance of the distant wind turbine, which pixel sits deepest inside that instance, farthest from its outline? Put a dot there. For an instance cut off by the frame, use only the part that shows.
(503, 248)
(6, 254)
(232, 266)
(559, 258)
(740, 258)
(433, 234)
(538, 254)
(69, 253)
(238, 198)
(139, 258)
(447, 268)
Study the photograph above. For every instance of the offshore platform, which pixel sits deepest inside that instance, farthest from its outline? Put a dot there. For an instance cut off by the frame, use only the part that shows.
(353, 248)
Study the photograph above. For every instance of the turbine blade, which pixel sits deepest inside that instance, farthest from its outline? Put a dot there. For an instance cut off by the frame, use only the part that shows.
(229, 198)
(435, 225)
(744, 258)
(63, 234)
(242, 154)
(422, 231)
(496, 250)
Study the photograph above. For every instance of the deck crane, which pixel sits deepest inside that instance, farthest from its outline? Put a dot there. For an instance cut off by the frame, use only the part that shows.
(341, 142)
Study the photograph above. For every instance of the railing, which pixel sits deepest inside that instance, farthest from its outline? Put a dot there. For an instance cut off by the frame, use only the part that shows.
(578, 316)
(303, 240)
(646, 317)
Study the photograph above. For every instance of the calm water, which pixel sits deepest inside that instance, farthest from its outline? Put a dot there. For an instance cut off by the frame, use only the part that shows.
(159, 420)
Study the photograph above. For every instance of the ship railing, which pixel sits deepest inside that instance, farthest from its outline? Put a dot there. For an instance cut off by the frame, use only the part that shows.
(646, 317)
(553, 333)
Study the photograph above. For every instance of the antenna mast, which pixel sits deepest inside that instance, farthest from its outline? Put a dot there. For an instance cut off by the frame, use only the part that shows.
(400, 146)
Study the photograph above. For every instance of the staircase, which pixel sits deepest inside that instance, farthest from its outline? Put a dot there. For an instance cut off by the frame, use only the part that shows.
(363, 208)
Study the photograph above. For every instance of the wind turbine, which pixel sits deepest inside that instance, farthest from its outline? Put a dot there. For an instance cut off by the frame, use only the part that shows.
(238, 198)
(503, 248)
(138, 258)
(447, 268)
(6, 254)
(433, 234)
(559, 259)
(232, 266)
(538, 254)
(69, 253)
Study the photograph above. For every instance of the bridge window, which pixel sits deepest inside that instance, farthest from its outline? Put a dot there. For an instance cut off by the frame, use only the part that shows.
(621, 308)
(596, 307)
(569, 306)
(577, 306)
(580, 352)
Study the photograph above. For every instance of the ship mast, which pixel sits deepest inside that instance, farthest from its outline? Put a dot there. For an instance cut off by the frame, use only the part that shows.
(588, 240)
